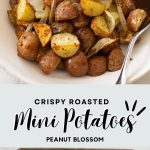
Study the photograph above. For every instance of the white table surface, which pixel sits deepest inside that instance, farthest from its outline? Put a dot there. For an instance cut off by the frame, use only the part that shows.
(7, 78)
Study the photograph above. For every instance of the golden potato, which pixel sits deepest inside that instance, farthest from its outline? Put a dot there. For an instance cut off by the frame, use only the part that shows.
(44, 32)
(135, 19)
(25, 12)
(125, 37)
(92, 7)
(65, 44)
(100, 27)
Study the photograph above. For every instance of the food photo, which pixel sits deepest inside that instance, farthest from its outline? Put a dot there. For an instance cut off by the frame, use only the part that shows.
(75, 41)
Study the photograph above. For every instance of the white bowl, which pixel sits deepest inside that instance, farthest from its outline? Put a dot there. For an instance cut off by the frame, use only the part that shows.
(31, 73)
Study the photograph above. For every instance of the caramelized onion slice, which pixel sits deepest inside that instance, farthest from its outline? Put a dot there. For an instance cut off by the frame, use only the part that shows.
(101, 44)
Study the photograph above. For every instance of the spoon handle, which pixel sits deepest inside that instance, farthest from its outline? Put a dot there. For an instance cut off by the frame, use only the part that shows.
(123, 75)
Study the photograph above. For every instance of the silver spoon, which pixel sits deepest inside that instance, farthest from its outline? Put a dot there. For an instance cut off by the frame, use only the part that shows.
(123, 75)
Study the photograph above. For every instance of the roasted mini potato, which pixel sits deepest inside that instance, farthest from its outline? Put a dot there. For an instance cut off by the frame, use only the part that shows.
(135, 19)
(61, 27)
(77, 65)
(19, 31)
(65, 44)
(66, 10)
(25, 12)
(41, 52)
(87, 38)
(44, 32)
(115, 59)
(92, 7)
(81, 21)
(49, 62)
(97, 65)
(128, 6)
(28, 46)
(100, 27)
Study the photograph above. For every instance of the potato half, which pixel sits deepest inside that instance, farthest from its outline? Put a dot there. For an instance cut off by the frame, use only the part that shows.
(25, 12)
(100, 27)
(44, 32)
(65, 45)
(92, 7)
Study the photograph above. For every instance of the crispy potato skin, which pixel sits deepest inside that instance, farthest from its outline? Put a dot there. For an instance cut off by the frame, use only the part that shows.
(115, 59)
(66, 10)
(11, 16)
(97, 65)
(128, 6)
(61, 27)
(76, 1)
(41, 52)
(13, 3)
(28, 46)
(49, 62)
(81, 21)
(19, 31)
(48, 2)
(135, 19)
(59, 1)
(77, 65)
(87, 37)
